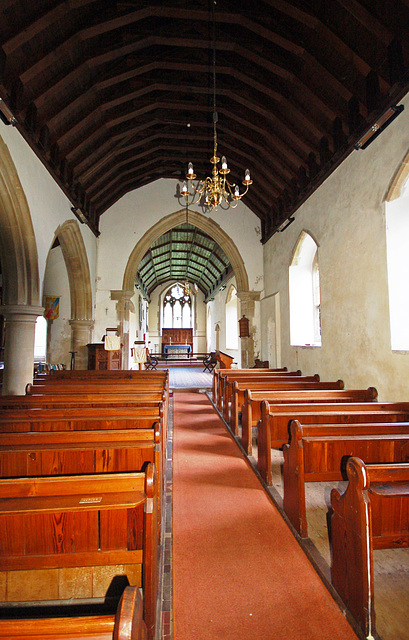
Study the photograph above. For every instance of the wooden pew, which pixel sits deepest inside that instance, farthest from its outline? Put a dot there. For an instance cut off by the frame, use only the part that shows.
(121, 384)
(226, 379)
(83, 418)
(50, 523)
(251, 414)
(281, 384)
(126, 624)
(318, 453)
(96, 386)
(273, 428)
(226, 382)
(51, 453)
(260, 382)
(150, 405)
(103, 392)
(70, 452)
(88, 374)
(275, 418)
(217, 373)
(59, 400)
(373, 513)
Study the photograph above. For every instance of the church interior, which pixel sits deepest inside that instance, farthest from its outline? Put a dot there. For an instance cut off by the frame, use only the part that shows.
(201, 208)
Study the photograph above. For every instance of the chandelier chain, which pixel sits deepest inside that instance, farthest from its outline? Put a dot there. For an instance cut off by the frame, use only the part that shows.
(214, 190)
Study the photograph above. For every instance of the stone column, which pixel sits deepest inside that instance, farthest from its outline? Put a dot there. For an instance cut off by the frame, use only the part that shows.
(247, 304)
(81, 331)
(19, 347)
(123, 308)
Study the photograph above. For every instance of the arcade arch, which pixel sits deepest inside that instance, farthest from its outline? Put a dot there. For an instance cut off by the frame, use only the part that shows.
(20, 276)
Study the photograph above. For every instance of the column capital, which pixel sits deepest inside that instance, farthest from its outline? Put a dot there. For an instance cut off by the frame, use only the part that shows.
(81, 324)
(21, 312)
(248, 296)
(122, 294)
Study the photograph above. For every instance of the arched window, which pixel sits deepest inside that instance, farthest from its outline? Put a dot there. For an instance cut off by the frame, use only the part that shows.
(397, 243)
(304, 284)
(232, 320)
(177, 308)
(40, 340)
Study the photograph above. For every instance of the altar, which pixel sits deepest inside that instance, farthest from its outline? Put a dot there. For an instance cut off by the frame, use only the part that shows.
(177, 351)
(177, 343)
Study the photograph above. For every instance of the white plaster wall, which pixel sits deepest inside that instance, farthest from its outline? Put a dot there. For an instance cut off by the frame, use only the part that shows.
(49, 206)
(346, 218)
(130, 218)
(56, 284)
(199, 343)
(218, 317)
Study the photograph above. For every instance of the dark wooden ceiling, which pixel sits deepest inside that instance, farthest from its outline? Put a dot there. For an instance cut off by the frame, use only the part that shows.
(113, 95)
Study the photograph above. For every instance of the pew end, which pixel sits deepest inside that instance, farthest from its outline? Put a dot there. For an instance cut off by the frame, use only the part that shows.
(126, 624)
(371, 514)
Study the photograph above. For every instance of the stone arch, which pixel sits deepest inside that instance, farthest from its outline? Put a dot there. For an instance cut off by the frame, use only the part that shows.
(76, 262)
(214, 230)
(20, 273)
(79, 278)
(399, 179)
(201, 222)
(18, 248)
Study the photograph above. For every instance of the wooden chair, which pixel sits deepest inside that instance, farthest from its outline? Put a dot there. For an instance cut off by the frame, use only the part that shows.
(151, 363)
(210, 361)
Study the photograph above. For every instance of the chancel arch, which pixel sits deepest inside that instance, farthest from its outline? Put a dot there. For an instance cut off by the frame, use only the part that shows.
(211, 228)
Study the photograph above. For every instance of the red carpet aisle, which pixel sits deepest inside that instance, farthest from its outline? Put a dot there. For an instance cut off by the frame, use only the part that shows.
(238, 572)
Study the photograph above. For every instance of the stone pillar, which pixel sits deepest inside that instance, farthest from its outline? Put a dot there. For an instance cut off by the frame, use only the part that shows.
(19, 347)
(81, 336)
(247, 304)
(123, 308)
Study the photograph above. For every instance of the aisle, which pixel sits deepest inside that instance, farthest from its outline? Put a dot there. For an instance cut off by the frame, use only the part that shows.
(189, 378)
(238, 571)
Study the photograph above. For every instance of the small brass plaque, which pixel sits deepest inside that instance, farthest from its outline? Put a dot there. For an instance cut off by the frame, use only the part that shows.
(90, 500)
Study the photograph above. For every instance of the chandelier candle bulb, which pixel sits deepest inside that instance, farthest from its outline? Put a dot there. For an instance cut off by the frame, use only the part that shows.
(190, 172)
(247, 176)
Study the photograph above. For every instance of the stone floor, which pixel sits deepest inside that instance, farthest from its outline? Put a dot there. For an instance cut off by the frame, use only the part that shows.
(189, 378)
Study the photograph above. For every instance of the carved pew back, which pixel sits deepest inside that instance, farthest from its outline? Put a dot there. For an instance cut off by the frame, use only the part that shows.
(319, 452)
(55, 523)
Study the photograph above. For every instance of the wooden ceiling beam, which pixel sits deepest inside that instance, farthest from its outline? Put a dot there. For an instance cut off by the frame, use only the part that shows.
(86, 124)
(367, 20)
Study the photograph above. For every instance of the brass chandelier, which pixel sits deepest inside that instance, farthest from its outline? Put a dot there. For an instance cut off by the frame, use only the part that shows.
(214, 190)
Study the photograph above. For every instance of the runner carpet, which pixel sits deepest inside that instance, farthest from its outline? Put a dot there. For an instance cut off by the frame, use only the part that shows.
(238, 571)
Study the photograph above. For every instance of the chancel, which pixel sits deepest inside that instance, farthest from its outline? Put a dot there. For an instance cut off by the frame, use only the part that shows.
(210, 438)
